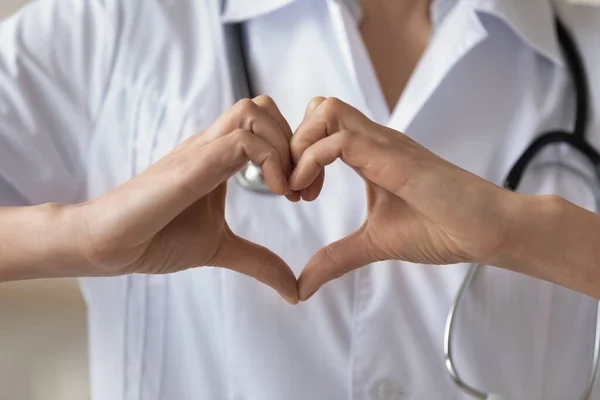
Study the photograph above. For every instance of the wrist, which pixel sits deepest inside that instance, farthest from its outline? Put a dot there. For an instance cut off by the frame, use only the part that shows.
(531, 223)
(67, 247)
(39, 242)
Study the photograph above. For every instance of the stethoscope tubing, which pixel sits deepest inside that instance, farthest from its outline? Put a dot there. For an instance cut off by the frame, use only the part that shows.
(575, 140)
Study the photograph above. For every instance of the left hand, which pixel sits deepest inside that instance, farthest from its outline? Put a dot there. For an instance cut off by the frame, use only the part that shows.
(421, 208)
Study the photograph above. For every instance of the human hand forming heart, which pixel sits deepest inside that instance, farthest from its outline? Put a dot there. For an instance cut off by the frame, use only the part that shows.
(421, 208)
(172, 216)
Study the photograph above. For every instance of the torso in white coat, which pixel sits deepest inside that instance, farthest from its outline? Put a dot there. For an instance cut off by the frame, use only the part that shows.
(492, 78)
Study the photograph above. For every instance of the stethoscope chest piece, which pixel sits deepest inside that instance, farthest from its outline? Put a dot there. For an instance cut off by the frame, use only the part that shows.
(250, 177)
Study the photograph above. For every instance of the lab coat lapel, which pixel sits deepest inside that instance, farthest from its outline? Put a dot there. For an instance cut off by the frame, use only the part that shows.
(531, 20)
(364, 83)
(460, 32)
(242, 10)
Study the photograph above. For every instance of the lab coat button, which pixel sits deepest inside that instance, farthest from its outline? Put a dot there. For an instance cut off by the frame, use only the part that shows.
(385, 389)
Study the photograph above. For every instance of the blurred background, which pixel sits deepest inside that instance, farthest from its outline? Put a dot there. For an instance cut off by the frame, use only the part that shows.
(43, 345)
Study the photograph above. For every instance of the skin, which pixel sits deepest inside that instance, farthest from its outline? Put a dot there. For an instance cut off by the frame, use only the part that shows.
(395, 33)
(426, 210)
(167, 219)
(420, 207)
(171, 217)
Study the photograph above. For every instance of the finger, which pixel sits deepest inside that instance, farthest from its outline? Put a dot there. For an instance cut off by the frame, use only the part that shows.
(188, 173)
(306, 134)
(267, 104)
(270, 107)
(249, 147)
(313, 104)
(334, 261)
(323, 117)
(313, 190)
(248, 115)
(310, 130)
(294, 197)
(223, 157)
(258, 262)
(325, 152)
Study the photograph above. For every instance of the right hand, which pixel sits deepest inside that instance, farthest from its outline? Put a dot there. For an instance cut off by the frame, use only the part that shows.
(172, 216)
(420, 207)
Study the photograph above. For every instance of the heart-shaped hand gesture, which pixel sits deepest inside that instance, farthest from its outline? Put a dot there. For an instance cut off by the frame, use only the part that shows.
(421, 208)
(172, 216)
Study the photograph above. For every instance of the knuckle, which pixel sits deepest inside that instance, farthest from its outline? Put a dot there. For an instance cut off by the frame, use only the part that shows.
(331, 106)
(315, 102)
(347, 137)
(310, 156)
(301, 144)
(264, 99)
(240, 135)
(240, 141)
(245, 107)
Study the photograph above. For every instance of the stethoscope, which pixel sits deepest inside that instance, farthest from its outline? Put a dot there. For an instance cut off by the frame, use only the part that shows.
(575, 140)
(251, 178)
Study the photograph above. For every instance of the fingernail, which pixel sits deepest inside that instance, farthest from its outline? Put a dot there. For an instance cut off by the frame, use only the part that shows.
(315, 103)
(294, 197)
(290, 300)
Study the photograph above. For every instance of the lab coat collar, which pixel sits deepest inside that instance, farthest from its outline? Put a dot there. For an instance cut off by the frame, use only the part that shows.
(532, 20)
(243, 10)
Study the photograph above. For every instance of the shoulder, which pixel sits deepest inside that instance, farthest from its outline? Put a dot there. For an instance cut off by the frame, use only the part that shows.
(82, 45)
(53, 30)
(105, 19)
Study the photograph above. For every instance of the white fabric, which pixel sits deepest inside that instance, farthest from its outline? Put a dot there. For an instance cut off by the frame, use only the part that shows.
(93, 91)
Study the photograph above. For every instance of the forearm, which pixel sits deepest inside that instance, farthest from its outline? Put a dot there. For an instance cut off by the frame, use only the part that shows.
(557, 241)
(39, 242)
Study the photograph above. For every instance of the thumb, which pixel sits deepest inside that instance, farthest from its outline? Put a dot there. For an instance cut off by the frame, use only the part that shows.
(258, 262)
(334, 261)
(311, 192)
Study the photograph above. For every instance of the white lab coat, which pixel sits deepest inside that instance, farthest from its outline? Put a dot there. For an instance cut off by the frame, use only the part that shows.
(93, 91)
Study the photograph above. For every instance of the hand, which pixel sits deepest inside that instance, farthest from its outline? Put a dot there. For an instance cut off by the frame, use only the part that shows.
(421, 208)
(172, 216)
